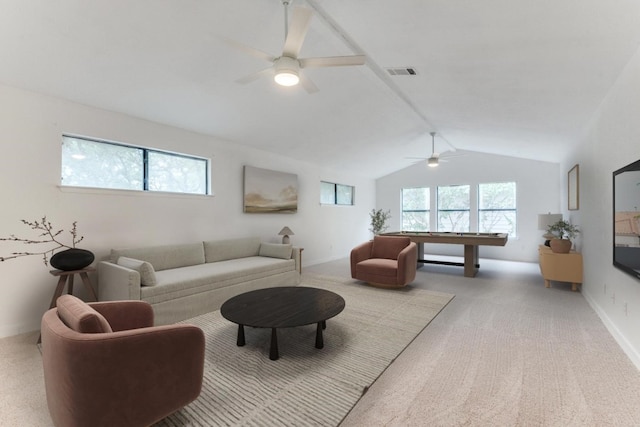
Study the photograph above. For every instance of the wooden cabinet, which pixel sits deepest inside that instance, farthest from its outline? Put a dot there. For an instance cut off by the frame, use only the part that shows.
(560, 267)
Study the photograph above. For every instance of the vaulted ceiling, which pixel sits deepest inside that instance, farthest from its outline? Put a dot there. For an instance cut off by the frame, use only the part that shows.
(513, 77)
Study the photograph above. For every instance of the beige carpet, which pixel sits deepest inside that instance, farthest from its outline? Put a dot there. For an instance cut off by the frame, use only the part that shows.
(306, 386)
(506, 351)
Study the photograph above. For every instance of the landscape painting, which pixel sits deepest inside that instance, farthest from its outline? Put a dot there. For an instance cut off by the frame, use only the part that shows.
(267, 191)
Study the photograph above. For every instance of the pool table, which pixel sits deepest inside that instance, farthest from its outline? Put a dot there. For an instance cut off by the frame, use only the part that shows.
(471, 241)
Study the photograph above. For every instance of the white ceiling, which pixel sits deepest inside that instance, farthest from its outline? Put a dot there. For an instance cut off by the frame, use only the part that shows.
(512, 77)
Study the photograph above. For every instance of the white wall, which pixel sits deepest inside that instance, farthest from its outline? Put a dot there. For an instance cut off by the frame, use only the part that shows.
(537, 191)
(611, 142)
(30, 131)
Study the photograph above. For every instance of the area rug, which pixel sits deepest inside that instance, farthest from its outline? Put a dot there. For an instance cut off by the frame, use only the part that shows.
(306, 386)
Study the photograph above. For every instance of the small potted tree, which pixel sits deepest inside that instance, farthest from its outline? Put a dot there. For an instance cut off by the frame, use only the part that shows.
(379, 220)
(563, 231)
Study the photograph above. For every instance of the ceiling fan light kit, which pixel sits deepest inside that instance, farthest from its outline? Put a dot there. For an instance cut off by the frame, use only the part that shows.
(286, 71)
(287, 67)
(432, 162)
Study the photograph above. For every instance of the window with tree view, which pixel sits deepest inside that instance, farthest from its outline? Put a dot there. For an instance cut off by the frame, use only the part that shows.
(497, 208)
(453, 208)
(99, 164)
(336, 194)
(415, 209)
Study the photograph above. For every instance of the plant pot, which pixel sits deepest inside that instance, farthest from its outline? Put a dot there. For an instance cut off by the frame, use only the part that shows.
(71, 259)
(560, 246)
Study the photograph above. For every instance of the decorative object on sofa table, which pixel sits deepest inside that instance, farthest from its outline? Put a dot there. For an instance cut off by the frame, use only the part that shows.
(563, 231)
(69, 259)
(546, 220)
(285, 233)
(379, 220)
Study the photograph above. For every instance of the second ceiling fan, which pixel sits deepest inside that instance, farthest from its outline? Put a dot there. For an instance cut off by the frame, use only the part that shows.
(287, 68)
(434, 159)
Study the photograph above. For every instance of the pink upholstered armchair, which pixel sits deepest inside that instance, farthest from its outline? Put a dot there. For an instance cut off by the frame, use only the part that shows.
(105, 364)
(387, 261)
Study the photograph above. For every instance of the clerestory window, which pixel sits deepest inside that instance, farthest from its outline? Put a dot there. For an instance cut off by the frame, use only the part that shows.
(109, 165)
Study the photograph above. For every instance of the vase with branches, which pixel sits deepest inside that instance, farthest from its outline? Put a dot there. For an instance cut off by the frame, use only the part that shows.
(52, 237)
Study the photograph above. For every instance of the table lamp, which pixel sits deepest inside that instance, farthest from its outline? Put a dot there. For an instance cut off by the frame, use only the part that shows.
(285, 233)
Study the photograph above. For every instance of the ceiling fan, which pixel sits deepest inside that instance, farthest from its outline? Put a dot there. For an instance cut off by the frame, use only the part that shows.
(435, 159)
(287, 67)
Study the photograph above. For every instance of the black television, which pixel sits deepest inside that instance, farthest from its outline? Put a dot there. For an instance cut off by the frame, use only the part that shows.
(626, 219)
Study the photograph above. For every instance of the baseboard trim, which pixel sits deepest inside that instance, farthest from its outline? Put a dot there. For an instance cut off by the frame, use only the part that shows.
(622, 341)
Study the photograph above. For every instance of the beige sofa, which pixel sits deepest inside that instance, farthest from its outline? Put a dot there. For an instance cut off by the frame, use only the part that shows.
(187, 280)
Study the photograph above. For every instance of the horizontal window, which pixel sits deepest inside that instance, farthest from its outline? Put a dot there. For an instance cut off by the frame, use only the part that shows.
(336, 194)
(109, 165)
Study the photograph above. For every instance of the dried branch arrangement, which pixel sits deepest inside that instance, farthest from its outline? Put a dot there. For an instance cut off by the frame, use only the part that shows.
(48, 235)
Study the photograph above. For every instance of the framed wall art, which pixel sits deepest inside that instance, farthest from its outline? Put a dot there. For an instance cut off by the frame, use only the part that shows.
(268, 191)
(574, 188)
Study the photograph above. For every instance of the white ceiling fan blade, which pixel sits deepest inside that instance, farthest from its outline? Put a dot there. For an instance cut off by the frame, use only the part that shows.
(307, 84)
(332, 61)
(249, 50)
(297, 31)
(255, 76)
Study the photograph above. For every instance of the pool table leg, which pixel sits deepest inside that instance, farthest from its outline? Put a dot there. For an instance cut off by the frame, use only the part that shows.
(470, 260)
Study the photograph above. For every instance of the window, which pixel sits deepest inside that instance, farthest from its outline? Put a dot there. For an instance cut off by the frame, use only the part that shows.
(336, 194)
(497, 208)
(415, 209)
(93, 163)
(453, 208)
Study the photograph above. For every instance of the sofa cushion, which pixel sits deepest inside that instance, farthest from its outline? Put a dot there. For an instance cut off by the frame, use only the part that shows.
(222, 250)
(388, 246)
(164, 257)
(181, 282)
(147, 273)
(80, 316)
(275, 250)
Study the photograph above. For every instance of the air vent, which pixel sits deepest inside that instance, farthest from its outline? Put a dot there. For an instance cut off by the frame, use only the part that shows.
(403, 71)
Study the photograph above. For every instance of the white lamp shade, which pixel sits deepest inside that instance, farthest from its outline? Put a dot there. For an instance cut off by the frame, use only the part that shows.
(545, 220)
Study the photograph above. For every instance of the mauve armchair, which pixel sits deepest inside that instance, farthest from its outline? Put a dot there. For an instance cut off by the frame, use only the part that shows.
(105, 364)
(385, 261)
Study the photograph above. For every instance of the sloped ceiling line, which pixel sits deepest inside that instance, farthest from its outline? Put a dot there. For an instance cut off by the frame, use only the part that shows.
(375, 68)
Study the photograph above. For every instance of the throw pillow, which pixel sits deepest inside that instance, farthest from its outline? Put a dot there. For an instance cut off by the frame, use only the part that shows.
(147, 273)
(80, 316)
(275, 250)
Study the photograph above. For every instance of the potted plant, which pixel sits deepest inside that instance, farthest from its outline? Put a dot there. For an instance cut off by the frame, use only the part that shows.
(68, 259)
(379, 220)
(563, 231)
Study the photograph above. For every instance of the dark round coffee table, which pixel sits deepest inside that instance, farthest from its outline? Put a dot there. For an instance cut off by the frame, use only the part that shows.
(282, 307)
